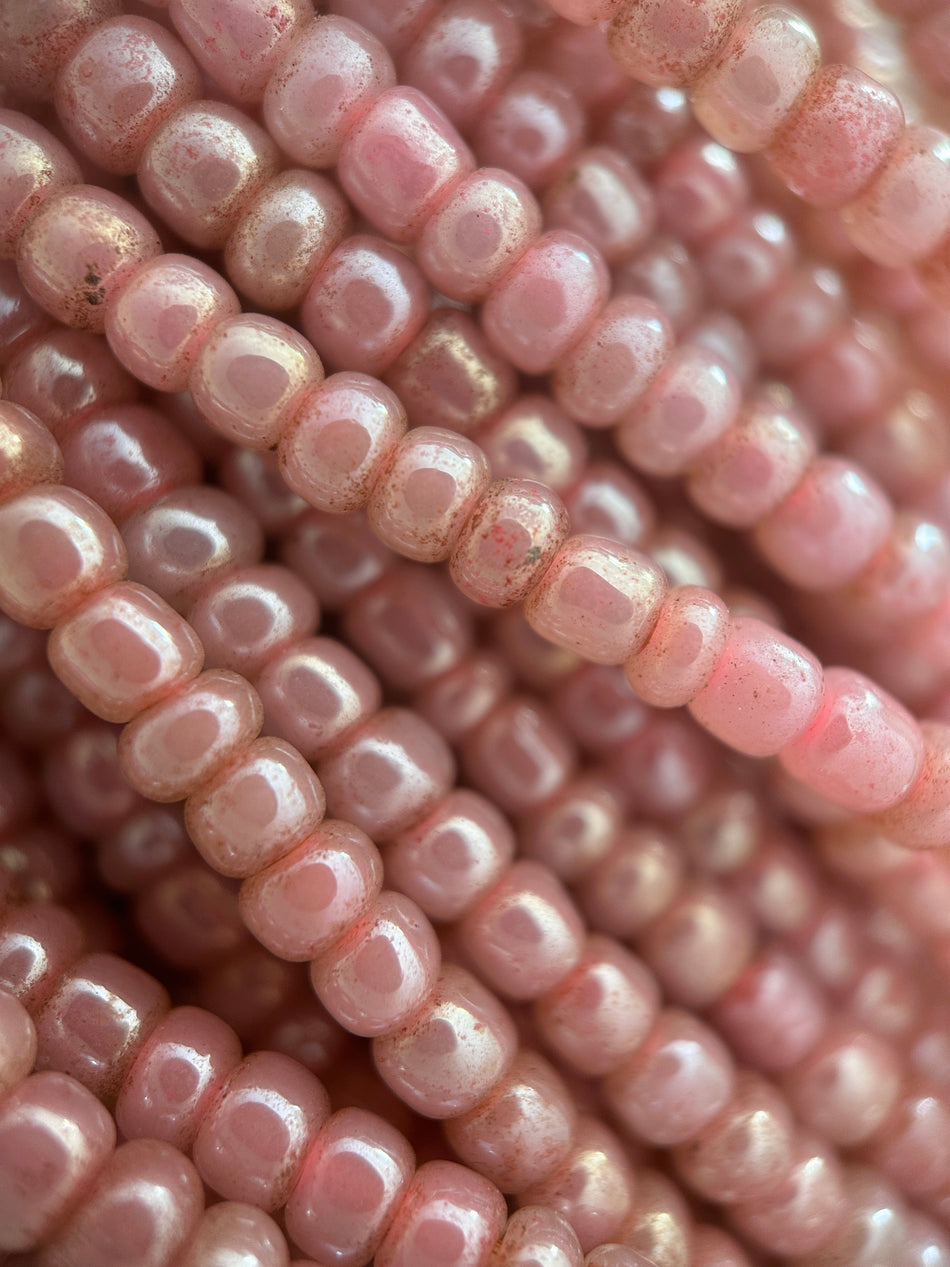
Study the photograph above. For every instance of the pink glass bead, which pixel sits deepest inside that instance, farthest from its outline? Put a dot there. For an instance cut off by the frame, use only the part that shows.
(37, 945)
(425, 493)
(17, 1042)
(450, 376)
(592, 1188)
(316, 691)
(920, 820)
(533, 439)
(458, 700)
(601, 197)
(396, 22)
(178, 1073)
(125, 78)
(79, 250)
(519, 756)
(453, 856)
(747, 94)
(239, 45)
(667, 274)
(801, 1214)
(683, 650)
(463, 57)
(478, 234)
(22, 321)
(401, 161)
(253, 478)
(123, 650)
(388, 773)
(249, 375)
(743, 261)
(351, 1185)
(327, 81)
(799, 315)
(231, 1229)
(825, 532)
(852, 379)
(157, 325)
(173, 747)
(601, 1011)
(201, 168)
(847, 1086)
(36, 165)
(283, 237)
(536, 1234)
(142, 1209)
(337, 556)
(379, 973)
(575, 828)
(365, 305)
(636, 881)
(332, 451)
(603, 375)
(699, 946)
(531, 129)
(714, 1248)
(55, 1137)
(688, 406)
(525, 935)
(700, 189)
(256, 810)
(449, 1214)
(508, 542)
(251, 1144)
(841, 133)
(96, 1019)
(522, 1129)
(597, 599)
(660, 1224)
(37, 41)
(543, 305)
(675, 1084)
(659, 43)
(765, 693)
(302, 903)
(874, 1228)
(452, 1052)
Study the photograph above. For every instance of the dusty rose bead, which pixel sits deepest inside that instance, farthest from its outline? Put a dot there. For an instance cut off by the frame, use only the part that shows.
(350, 1187)
(700, 189)
(37, 41)
(600, 1012)
(125, 78)
(425, 493)
(283, 236)
(575, 828)
(252, 614)
(453, 856)
(448, 1212)
(251, 1144)
(479, 233)
(396, 22)
(675, 1084)
(177, 1074)
(713, 1247)
(36, 165)
(522, 1129)
(187, 540)
(459, 699)
(173, 747)
(463, 57)
(55, 1138)
(123, 650)
(508, 542)
(239, 45)
(912, 1147)
(803, 1212)
(660, 1224)
(201, 168)
(382, 969)
(450, 376)
(592, 1188)
(920, 820)
(798, 315)
(531, 129)
(699, 946)
(537, 1234)
(667, 274)
(452, 1052)
(22, 321)
(525, 934)
(401, 161)
(842, 131)
(78, 251)
(597, 599)
(249, 375)
(546, 302)
(765, 693)
(683, 650)
(256, 810)
(29, 455)
(17, 1042)
(315, 692)
(687, 407)
(847, 1086)
(747, 94)
(874, 1227)
(519, 756)
(828, 528)
(634, 884)
(253, 477)
(604, 374)
(327, 81)
(231, 1229)
(659, 44)
(38, 943)
(534, 439)
(300, 904)
(607, 502)
(602, 197)
(159, 323)
(744, 260)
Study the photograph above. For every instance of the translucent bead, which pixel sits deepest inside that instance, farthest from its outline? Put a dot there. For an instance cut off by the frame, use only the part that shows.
(575, 828)
(531, 129)
(533, 439)
(602, 197)
(803, 1212)
(448, 1213)
(537, 1234)
(239, 45)
(660, 1225)
(659, 43)
(299, 905)
(36, 165)
(912, 1147)
(38, 943)
(607, 502)
(683, 650)
(648, 122)
(747, 94)
(457, 701)
(700, 189)
(18, 1043)
(699, 945)
(634, 884)
(396, 22)
(874, 1227)
(799, 315)
(847, 1086)
(29, 455)
(519, 756)
(232, 1228)
(36, 42)
(842, 131)
(125, 78)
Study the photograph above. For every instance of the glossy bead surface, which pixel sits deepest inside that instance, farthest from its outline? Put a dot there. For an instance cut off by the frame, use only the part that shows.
(239, 45)
(659, 43)
(683, 650)
(448, 1214)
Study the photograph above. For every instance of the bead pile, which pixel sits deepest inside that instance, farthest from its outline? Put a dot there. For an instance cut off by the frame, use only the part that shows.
(477, 472)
